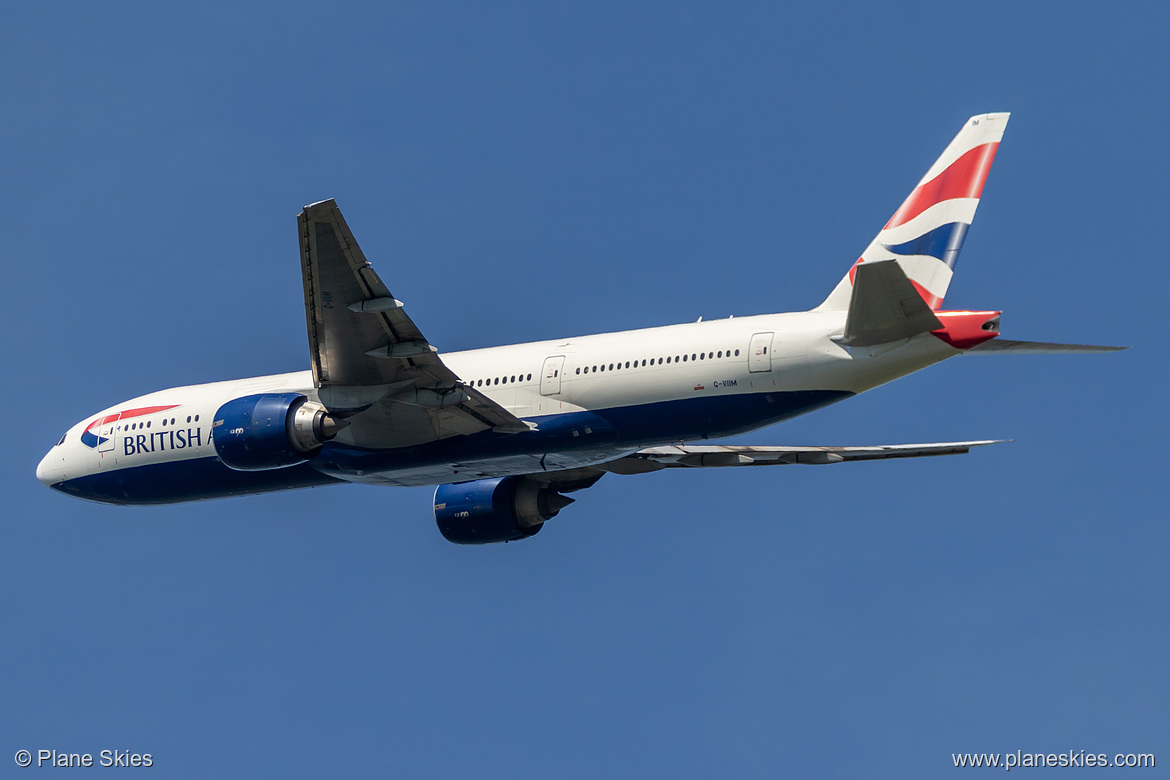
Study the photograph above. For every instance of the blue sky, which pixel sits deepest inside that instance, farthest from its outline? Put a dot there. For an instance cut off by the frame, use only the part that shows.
(522, 172)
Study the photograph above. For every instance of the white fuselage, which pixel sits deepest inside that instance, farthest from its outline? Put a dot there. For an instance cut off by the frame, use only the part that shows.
(652, 386)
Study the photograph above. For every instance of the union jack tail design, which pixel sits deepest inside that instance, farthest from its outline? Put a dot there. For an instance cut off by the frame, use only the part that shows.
(926, 233)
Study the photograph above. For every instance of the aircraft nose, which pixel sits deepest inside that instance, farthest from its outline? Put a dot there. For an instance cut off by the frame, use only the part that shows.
(49, 470)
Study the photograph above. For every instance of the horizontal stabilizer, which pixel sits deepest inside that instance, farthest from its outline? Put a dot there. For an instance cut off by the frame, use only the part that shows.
(708, 456)
(885, 307)
(1002, 346)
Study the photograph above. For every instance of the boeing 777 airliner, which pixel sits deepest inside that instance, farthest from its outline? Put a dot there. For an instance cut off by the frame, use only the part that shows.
(505, 432)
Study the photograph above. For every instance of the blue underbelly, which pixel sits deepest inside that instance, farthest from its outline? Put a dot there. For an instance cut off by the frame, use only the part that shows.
(618, 429)
(177, 481)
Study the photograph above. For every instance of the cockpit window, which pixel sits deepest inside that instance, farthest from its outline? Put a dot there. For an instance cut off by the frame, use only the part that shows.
(62, 439)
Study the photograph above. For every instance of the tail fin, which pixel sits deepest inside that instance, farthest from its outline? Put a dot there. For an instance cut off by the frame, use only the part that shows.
(927, 231)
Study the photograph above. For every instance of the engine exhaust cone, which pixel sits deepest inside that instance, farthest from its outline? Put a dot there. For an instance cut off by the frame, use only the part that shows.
(552, 502)
(330, 426)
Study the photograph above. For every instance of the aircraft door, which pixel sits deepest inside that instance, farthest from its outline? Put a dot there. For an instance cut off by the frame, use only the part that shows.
(550, 375)
(107, 432)
(759, 353)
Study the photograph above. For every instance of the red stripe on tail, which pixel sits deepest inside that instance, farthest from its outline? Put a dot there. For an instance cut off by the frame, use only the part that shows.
(964, 178)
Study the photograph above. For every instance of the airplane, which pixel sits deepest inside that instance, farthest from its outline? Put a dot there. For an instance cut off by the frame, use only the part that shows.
(505, 432)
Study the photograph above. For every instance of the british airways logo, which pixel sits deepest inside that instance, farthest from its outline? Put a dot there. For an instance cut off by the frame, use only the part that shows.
(103, 429)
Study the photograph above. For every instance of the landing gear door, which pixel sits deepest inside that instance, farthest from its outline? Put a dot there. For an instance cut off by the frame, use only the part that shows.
(759, 353)
(550, 375)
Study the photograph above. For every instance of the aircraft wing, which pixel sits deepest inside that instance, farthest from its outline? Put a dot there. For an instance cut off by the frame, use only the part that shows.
(707, 456)
(365, 348)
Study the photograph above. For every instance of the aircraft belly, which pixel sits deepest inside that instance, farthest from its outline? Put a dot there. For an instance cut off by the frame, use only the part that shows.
(571, 440)
(193, 479)
(438, 474)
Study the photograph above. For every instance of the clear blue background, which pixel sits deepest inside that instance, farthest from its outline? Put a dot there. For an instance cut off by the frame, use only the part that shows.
(522, 172)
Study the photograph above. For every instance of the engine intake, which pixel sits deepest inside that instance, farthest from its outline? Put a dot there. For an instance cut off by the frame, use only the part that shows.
(271, 431)
(503, 509)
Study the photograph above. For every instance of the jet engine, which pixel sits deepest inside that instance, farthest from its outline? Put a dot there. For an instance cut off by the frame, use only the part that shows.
(503, 509)
(271, 431)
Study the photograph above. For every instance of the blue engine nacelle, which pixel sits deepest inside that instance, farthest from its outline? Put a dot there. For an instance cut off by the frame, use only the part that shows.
(495, 510)
(271, 431)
